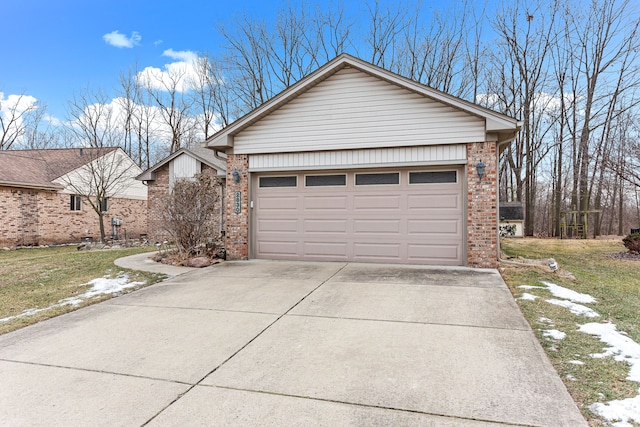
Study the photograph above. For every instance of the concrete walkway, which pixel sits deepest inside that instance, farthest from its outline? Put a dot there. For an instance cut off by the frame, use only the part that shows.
(260, 343)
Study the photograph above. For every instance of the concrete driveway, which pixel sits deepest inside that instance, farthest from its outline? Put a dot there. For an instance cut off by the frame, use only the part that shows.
(289, 344)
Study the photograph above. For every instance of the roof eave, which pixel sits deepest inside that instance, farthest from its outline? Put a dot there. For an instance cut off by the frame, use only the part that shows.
(31, 185)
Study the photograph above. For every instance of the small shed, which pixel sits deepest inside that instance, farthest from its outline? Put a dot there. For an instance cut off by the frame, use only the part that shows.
(511, 219)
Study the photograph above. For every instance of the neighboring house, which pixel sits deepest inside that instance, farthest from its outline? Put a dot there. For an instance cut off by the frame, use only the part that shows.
(355, 163)
(183, 164)
(38, 203)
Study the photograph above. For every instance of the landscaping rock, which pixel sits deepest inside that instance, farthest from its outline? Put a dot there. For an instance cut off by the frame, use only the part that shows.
(199, 262)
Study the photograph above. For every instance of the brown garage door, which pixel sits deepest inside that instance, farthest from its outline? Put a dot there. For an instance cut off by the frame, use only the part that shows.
(391, 216)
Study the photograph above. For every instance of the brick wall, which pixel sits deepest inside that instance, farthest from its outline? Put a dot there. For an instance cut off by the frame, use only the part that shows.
(482, 221)
(237, 224)
(31, 217)
(157, 192)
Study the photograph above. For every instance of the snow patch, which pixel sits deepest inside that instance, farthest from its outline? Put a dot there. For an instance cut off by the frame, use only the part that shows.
(576, 362)
(621, 347)
(530, 287)
(528, 297)
(554, 333)
(565, 293)
(101, 286)
(574, 308)
(624, 410)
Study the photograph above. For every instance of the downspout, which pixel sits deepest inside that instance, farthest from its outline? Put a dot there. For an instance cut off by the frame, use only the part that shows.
(498, 151)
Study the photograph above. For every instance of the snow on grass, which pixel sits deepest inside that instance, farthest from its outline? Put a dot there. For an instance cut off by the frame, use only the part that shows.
(101, 286)
(554, 333)
(565, 293)
(578, 309)
(528, 297)
(623, 349)
(576, 362)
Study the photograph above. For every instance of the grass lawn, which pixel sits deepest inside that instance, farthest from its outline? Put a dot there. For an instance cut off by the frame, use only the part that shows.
(37, 278)
(615, 283)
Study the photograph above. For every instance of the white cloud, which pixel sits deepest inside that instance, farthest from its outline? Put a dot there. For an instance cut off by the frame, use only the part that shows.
(17, 103)
(180, 74)
(115, 38)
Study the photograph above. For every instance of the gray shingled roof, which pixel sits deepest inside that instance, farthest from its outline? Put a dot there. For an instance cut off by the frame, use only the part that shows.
(38, 168)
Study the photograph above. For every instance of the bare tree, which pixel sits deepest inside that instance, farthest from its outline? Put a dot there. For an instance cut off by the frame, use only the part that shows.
(107, 170)
(168, 91)
(15, 111)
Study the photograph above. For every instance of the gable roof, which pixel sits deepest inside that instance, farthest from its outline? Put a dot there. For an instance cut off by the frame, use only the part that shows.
(202, 154)
(39, 168)
(504, 126)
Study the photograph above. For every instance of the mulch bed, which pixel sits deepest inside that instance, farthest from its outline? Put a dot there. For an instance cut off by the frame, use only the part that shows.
(627, 256)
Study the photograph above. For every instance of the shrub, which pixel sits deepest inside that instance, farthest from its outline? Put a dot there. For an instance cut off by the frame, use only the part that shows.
(189, 213)
(632, 242)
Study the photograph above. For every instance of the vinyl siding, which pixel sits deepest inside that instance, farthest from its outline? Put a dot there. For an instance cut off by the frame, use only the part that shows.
(403, 156)
(183, 166)
(354, 110)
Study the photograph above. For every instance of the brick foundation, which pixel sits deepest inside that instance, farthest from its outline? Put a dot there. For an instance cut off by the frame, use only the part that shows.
(237, 224)
(482, 209)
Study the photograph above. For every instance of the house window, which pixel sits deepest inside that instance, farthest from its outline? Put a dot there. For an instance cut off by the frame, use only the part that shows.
(439, 177)
(377, 178)
(75, 203)
(104, 205)
(278, 181)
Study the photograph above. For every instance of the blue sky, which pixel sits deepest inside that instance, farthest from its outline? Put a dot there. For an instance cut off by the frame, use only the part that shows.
(57, 48)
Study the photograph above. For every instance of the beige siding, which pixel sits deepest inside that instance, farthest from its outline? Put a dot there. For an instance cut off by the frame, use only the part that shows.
(183, 166)
(353, 110)
(403, 156)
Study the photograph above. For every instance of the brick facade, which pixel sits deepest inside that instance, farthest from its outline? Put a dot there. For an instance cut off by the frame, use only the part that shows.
(32, 217)
(482, 206)
(158, 190)
(482, 215)
(237, 224)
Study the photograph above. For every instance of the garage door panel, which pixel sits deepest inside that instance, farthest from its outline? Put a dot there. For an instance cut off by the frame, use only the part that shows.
(278, 203)
(326, 249)
(280, 249)
(278, 225)
(386, 202)
(440, 252)
(325, 226)
(434, 226)
(433, 201)
(381, 251)
(376, 226)
(324, 203)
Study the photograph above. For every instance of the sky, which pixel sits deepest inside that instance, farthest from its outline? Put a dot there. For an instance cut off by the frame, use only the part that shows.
(53, 49)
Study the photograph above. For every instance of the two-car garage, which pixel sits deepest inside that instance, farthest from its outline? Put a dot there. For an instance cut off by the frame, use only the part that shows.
(355, 163)
(410, 215)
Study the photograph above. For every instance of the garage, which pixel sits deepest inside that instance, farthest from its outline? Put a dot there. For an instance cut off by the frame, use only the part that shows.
(356, 163)
(411, 215)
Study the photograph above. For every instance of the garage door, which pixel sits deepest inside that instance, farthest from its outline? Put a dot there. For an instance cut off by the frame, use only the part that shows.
(411, 216)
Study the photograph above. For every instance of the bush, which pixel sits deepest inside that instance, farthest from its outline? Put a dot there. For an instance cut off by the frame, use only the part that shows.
(632, 242)
(189, 213)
